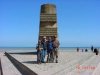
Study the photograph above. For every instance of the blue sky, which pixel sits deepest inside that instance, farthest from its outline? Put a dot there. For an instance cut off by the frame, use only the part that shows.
(78, 22)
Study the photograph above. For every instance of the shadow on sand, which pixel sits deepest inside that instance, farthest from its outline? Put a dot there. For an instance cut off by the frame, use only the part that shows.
(30, 62)
(25, 53)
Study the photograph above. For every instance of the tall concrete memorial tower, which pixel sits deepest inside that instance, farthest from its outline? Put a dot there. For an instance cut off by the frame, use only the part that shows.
(48, 21)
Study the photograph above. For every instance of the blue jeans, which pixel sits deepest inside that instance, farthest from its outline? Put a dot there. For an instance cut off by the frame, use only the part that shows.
(43, 55)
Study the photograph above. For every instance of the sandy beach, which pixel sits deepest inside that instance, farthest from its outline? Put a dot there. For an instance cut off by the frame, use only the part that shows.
(70, 63)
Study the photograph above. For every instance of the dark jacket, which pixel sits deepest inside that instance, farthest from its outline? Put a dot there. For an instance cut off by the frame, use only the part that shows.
(49, 45)
(44, 45)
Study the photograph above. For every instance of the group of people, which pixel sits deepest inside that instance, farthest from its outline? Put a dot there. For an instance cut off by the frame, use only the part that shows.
(94, 50)
(47, 46)
(86, 50)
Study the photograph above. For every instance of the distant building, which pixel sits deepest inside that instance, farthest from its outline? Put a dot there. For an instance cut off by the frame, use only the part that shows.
(48, 21)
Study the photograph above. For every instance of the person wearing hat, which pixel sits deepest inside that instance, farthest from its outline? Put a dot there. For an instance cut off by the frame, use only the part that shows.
(44, 43)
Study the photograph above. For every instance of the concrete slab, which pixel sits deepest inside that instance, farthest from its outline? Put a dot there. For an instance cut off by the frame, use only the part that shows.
(7, 67)
(68, 62)
(97, 70)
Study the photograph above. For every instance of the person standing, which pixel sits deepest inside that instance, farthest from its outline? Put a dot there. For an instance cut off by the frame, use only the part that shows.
(77, 49)
(44, 43)
(55, 48)
(96, 51)
(39, 48)
(50, 50)
(86, 50)
(82, 50)
(92, 48)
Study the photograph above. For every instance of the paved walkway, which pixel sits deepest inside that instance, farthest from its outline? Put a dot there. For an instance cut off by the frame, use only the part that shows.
(68, 63)
(97, 71)
(7, 67)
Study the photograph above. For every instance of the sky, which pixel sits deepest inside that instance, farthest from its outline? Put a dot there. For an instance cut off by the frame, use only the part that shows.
(78, 22)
